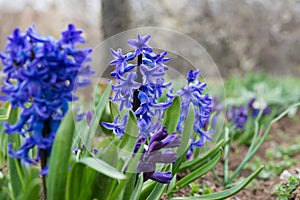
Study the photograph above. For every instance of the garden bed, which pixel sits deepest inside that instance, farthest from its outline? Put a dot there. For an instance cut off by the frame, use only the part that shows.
(283, 134)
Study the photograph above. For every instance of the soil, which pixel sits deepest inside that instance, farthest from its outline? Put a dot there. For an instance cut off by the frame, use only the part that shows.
(284, 133)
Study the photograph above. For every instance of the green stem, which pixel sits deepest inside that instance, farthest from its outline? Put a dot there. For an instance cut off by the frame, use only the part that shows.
(226, 154)
(216, 175)
(256, 131)
(136, 101)
(261, 140)
(44, 156)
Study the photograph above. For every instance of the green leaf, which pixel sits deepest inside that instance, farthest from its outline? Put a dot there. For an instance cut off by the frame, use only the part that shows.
(128, 187)
(32, 191)
(131, 134)
(172, 116)
(88, 132)
(226, 193)
(90, 183)
(32, 179)
(81, 177)
(14, 164)
(74, 181)
(138, 188)
(124, 155)
(102, 167)
(5, 112)
(128, 142)
(114, 110)
(131, 176)
(59, 160)
(147, 189)
(187, 133)
(107, 147)
(196, 174)
(198, 162)
(157, 191)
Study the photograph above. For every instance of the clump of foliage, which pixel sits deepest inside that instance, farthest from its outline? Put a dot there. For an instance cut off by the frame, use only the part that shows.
(152, 131)
(284, 189)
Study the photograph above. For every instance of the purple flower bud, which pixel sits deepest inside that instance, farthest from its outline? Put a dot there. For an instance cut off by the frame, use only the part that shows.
(162, 177)
(155, 146)
(89, 116)
(167, 156)
(158, 136)
(171, 141)
(145, 167)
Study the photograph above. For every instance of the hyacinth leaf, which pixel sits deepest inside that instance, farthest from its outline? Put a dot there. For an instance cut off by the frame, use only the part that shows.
(102, 167)
(172, 182)
(90, 181)
(138, 188)
(90, 132)
(123, 189)
(4, 112)
(57, 179)
(104, 180)
(107, 183)
(32, 190)
(185, 139)
(81, 177)
(187, 132)
(129, 139)
(226, 193)
(128, 186)
(114, 110)
(147, 189)
(198, 162)
(157, 191)
(14, 164)
(32, 179)
(75, 180)
(196, 174)
(107, 148)
(172, 116)
(105, 117)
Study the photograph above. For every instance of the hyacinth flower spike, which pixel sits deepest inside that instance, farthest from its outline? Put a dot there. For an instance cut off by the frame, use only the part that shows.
(139, 88)
(40, 78)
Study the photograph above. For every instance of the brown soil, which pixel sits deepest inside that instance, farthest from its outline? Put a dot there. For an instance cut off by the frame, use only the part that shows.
(284, 133)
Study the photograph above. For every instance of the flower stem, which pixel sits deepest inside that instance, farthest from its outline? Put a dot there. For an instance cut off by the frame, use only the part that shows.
(136, 101)
(43, 155)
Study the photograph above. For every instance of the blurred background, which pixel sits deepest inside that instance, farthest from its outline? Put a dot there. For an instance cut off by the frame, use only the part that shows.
(239, 35)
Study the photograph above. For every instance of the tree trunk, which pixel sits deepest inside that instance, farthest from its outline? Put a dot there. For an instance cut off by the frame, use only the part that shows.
(115, 15)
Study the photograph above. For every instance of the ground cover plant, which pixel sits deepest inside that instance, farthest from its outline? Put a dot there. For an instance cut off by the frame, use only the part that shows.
(135, 139)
